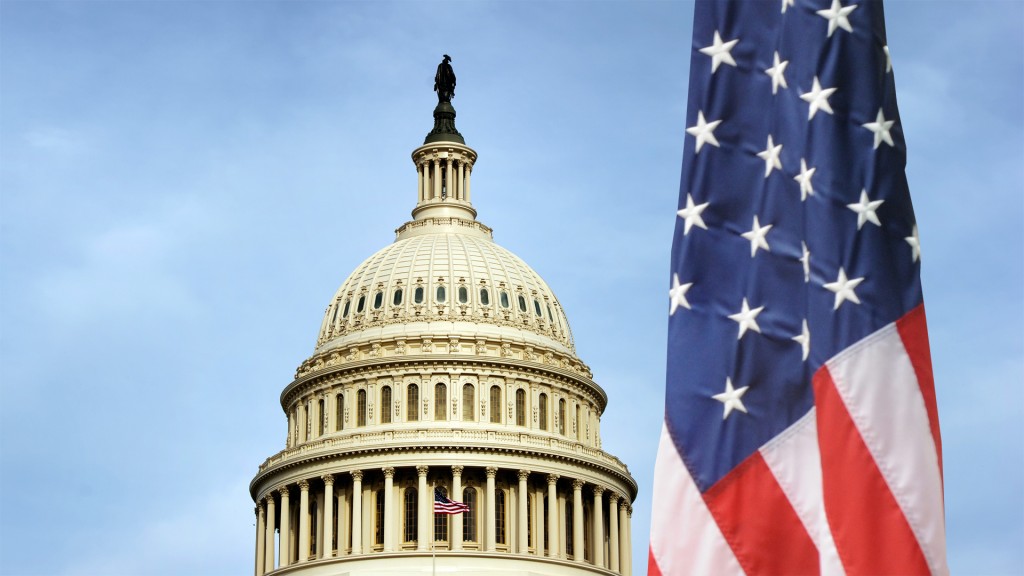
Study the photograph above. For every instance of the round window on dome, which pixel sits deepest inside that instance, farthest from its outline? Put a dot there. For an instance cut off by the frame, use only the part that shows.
(417, 295)
(440, 295)
(485, 297)
(397, 300)
(463, 295)
(378, 300)
(344, 313)
(361, 304)
(536, 309)
(503, 299)
(522, 303)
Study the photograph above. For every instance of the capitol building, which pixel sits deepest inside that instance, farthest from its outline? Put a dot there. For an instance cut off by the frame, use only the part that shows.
(444, 365)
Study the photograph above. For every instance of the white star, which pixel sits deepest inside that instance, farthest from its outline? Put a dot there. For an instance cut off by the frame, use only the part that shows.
(804, 178)
(837, 17)
(915, 244)
(770, 155)
(731, 398)
(692, 215)
(757, 236)
(817, 98)
(804, 340)
(703, 131)
(888, 60)
(677, 294)
(865, 210)
(747, 318)
(786, 4)
(777, 71)
(719, 52)
(805, 259)
(880, 127)
(843, 288)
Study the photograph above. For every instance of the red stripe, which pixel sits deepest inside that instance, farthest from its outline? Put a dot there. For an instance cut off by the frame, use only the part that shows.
(869, 529)
(652, 564)
(913, 329)
(759, 523)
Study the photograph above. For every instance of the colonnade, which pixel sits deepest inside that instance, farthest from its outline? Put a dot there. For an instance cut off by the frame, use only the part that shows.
(443, 178)
(354, 513)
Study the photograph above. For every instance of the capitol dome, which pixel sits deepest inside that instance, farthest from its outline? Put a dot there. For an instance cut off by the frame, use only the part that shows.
(444, 370)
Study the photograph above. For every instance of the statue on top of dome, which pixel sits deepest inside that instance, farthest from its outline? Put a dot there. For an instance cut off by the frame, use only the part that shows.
(444, 80)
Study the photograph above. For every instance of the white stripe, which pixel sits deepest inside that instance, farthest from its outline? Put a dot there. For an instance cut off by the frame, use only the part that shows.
(879, 387)
(794, 459)
(685, 539)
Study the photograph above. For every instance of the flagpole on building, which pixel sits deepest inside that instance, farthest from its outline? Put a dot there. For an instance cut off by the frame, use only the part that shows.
(433, 554)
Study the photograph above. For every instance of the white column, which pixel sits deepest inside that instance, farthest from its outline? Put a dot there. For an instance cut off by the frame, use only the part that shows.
(303, 521)
(341, 525)
(389, 507)
(577, 520)
(553, 550)
(357, 511)
(419, 183)
(489, 532)
(629, 541)
(449, 185)
(332, 410)
(424, 512)
(538, 523)
(598, 530)
(268, 546)
(302, 436)
(327, 549)
(286, 517)
(456, 518)
(261, 529)
(291, 430)
(524, 538)
(613, 532)
(437, 179)
(469, 170)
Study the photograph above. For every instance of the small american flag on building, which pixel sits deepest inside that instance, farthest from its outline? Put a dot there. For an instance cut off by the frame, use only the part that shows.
(442, 505)
(801, 434)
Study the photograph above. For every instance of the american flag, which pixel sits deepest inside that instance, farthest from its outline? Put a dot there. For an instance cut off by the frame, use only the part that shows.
(801, 434)
(442, 505)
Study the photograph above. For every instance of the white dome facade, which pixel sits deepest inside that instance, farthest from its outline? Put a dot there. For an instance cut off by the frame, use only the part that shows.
(444, 368)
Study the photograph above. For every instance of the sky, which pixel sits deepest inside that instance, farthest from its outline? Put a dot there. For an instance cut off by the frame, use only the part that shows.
(184, 185)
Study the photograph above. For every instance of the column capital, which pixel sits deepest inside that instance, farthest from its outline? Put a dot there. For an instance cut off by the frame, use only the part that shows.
(491, 471)
(283, 491)
(598, 490)
(552, 479)
(357, 475)
(269, 497)
(629, 511)
(577, 484)
(259, 507)
(304, 485)
(524, 474)
(388, 471)
(457, 470)
(422, 470)
(613, 497)
(328, 479)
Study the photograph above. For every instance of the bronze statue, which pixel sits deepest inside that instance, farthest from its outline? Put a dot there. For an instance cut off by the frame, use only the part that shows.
(444, 80)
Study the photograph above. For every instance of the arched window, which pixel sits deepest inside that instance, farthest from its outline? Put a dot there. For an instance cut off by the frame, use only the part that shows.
(561, 416)
(417, 295)
(570, 548)
(544, 520)
(320, 416)
(485, 297)
(339, 412)
(344, 313)
(463, 295)
(536, 309)
(441, 520)
(522, 303)
(469, 517)
(412, 402)
(397, 300)
(378, 517)
(499, 516)
(361, 408)
(314, 542)
(410, 516)
(441, 295)
(440, 401)
(496, 404)
(520, 407)
(542, 407)
(385, 405)
(468, 394)
(361, 304)
(502, 299)
(529, 520)
(378, 300)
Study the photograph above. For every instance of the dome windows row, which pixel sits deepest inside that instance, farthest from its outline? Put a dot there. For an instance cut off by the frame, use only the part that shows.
(441, 297)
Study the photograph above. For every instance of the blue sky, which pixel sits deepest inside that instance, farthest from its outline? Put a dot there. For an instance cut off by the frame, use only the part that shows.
(184, 185)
